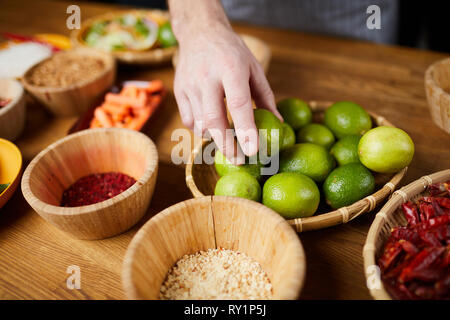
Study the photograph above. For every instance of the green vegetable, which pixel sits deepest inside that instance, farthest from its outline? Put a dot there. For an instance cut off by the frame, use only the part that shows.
(141, 28)
(165, 36)
(3, 187)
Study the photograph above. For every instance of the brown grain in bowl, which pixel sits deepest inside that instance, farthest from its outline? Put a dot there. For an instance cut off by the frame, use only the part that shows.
(66, 69)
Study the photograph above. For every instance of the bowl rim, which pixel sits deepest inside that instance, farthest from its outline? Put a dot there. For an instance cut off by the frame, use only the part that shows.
(431, 81)
(110, 66)
(297, 280)
(20, 158)
(16, 100)
(390, 209)
(150, 170)
(327, 219)
(126, 56)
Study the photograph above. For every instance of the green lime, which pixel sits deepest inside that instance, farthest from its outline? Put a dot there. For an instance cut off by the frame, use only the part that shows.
(239, 184)
(291, 194)
(288, 136)
(348, 184)
(346, 150)
(317, 134)
(165, 35)
(295, 112)
(224, 166)
(310, 159)
(386, 149)
(270, 131)
(345, 118)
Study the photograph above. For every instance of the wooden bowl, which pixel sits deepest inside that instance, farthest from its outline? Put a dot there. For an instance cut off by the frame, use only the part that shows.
(155, 56)
(12, 116)
(259, 48)
(87, 152)
(387, 218)
(201, 179)
(214, 222)
(10, 168)
(75, 99)
(437, 87)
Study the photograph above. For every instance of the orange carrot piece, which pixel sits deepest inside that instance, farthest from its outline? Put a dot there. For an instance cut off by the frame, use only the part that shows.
(136, 124)
(103, 118)
(122, 100)
(129, 91)
(154, 86)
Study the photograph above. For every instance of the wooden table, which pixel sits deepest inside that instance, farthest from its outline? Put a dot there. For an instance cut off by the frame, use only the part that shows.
(34, 255)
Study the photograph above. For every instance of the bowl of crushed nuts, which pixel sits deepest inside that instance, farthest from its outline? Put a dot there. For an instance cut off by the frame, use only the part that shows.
(70, 82)
(215, 247)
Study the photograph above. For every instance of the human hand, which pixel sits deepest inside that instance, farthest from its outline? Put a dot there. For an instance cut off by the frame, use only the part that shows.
(214, 63)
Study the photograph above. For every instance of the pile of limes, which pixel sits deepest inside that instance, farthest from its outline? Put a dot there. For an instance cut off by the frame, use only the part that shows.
(308, 153)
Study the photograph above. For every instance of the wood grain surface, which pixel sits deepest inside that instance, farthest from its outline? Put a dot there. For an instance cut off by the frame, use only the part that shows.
(34, 255)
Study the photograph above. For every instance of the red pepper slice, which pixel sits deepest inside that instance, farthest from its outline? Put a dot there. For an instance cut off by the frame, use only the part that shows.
(419, 265)
(410, 212)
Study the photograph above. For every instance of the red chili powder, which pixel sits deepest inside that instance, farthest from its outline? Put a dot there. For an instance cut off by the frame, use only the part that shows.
(95, 188)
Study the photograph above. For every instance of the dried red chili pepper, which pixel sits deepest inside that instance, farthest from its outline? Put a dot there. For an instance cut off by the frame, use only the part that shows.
(410, 212)
(390, 253)
(417, 267)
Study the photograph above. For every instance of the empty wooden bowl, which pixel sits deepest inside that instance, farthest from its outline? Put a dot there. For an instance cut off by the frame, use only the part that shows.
(214, 222)
(12, 116)
(387, 218)
(201, 178)
(437, 87)
(154, 56)
(10, 168)
(87, 152)
(75, 99)
(259, 49)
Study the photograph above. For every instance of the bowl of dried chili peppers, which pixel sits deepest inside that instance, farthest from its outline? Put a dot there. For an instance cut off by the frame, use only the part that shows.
(95, 183)
(407, 250)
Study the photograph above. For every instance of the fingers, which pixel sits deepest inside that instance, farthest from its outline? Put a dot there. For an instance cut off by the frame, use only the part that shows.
(237, 92)
(215, 120)
(184, 107)
(261, 91)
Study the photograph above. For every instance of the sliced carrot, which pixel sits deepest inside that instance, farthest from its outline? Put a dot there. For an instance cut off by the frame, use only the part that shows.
(119, 99)
(129, 91)
(154, 86)
(103, 118)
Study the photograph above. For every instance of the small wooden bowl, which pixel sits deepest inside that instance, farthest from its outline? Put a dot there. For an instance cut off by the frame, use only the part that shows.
(75, 99)
(10, 168)
(387, 218)
(12, 116)
(155, 56)
(87, 152)
(259, 48)
(214, 222)
(201, 179)
(437, 87)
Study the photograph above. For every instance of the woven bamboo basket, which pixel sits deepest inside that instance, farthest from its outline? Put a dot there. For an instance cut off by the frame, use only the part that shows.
(437, 87)
(201, 179)
(155, 56)
(387, 218)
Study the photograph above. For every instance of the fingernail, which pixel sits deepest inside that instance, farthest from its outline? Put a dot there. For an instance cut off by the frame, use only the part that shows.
(250, 148)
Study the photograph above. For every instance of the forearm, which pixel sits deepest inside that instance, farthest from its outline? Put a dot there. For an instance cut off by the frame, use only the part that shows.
(188, 17)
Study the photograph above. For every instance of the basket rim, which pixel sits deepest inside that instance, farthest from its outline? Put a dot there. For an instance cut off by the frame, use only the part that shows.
(389, 209)
(324, 220)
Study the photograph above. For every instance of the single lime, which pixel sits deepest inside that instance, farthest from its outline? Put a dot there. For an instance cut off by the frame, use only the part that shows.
(224, 166)
(295, 112)
(348, 184)
(165, 35)
(345, 150)
(344, 118)
(386, 149)
(239, 184)
(317, 134)
(288, 136)
(270, 131)
(291, 194)
(310, 159)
